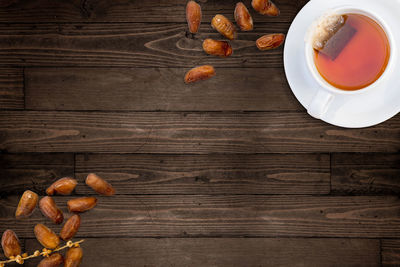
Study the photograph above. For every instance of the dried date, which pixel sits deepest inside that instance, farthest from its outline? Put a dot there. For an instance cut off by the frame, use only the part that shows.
(81, 204)
(49, 209)
(243, 18)
(70, 227)
(54, 260)
(265, 7)
(73, 257)
(63, 186)
(199, 73)
(46, 236)
(27, 204)
(99, 185)
(224, 26)
(217, 48)
(270, 41)
(193, 16)
(10, 244)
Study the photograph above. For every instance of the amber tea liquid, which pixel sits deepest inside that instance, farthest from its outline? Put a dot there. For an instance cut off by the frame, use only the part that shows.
(362, 61)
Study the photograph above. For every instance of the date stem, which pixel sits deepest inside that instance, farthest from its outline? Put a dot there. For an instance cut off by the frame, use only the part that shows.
(45, 253)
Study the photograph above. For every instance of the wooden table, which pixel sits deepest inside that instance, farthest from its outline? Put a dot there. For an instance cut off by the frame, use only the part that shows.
(227, 172)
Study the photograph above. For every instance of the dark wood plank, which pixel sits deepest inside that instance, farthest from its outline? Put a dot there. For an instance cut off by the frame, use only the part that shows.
(128, 11)
(366, 173)
(199, 133)
(208, 174)
(390, 252)
(147, 89)
(227, 216)
(19, 172)
(227, 252)
(11, 88)
(171, 174)
(129, 45)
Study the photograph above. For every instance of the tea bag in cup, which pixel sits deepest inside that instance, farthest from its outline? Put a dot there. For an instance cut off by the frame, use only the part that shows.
(331, 35)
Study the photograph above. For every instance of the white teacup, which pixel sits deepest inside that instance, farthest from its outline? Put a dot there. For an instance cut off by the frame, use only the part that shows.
(327, 92)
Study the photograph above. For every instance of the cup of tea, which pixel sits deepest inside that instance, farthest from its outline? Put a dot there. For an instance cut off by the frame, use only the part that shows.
(348, 51)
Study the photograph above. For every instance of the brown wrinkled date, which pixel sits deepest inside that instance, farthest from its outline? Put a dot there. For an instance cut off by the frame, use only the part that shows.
(217, 48)
(70, 227)
(265, 7)
(10, 244)
(46, 236)
(81, 204)
(73, 257)
(270, 41)
(49, 209)
(224, 26)
(27, 204)
(63, 186)
(54, 260)
(99, 185)
(243, 18)
(193, 16)
(199, 73)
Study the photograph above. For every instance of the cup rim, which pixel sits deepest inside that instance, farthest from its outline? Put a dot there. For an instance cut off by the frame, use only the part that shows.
(327, 86)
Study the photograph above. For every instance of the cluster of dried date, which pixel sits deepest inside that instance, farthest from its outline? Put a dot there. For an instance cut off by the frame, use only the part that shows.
(226, 28)
(46, 237)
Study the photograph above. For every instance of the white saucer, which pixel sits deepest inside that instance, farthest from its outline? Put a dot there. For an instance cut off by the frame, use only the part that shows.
(351, 111)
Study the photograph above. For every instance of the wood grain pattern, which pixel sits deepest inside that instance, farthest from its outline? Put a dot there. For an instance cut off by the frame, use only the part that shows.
(208, 174)
(226, 172)
(366, 173)
(227, 252)
(149, 89)
(226, 216)
(11, 88)
(390, 252)
(171, 174)
(200, 133)
(128, 45)
(129, 11)
(19, 172)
